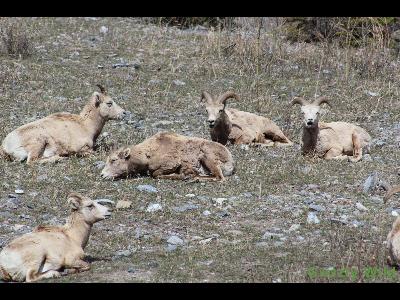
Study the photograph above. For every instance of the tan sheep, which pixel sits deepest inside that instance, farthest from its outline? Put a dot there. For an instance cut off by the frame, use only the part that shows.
(171, 156)
(239, 127)
(334, 140)
(393, 238)
(46, 251)
(62, 134)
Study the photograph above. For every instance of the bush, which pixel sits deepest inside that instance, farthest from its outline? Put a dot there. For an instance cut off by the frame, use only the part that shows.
(346, 31)
(15, 41)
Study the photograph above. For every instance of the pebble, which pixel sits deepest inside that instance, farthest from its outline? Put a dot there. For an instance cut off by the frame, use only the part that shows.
(171, 247)
(178, 82)
(103, 29)
(271, 235)
(122, 253)
(123, 204)
(175, 240)
(361, 207)
(99, 164)
(312, 218)
(185, 207)
(19, 191)
(154, 207)
(294, 227)
(223, 214)
(370, 182)
(146, 188)
(394, 213)
(206, 213)
(131, 270)
(316, 207)
(219, 201)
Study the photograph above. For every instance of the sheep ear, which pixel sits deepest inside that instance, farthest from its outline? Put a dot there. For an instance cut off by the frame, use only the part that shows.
(75, 201)
(97, 99)
(206, 95)
(126, 153)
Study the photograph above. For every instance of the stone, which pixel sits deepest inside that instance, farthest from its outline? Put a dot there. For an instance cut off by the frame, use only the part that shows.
(361, 207)
(175, 240)
(206, 213)
(154, 207)
(147, 188)
(19, 191)
(316, 207)
(185, 207)
(123, 204)
(271, 235)
(312, 218)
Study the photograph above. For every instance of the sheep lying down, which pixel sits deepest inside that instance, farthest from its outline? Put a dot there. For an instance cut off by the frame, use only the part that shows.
(59, 135)
(240, 127)
(334, 140)
(171, 156)
(49, 250)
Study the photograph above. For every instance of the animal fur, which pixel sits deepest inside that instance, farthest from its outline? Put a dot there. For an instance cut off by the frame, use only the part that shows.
(239, 127)
(59, 135)
(334, 140)
(171, 156)
(48, 250)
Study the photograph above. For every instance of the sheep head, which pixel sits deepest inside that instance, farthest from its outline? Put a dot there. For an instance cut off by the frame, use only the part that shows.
(123, 162)
(91, 211)
(108, 109)
(310, 110)
(215, 105)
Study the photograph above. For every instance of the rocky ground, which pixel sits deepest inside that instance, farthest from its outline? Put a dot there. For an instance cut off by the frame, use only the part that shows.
(281, 218)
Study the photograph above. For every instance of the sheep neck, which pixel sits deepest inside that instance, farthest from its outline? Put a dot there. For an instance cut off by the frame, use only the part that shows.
(310, 138)
(92, 120)
(77, 229)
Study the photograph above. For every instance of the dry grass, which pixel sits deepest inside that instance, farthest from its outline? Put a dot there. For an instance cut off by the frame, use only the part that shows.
(270, 185)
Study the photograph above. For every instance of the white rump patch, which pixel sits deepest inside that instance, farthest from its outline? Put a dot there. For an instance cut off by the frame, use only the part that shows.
(12, 146)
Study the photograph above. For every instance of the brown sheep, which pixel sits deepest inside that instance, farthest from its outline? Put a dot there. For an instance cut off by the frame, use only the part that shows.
(171, 156)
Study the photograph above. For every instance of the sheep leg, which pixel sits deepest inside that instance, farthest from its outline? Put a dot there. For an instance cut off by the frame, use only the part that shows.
(77, 266)
(357, 149)
(263, 145)
(85, 151)
(33, 275)
(213, 166)
(35, 151)
(277, 136)
(335, 153)
(52, 159)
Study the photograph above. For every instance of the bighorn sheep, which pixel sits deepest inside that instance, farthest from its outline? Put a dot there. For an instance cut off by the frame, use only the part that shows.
(171, 156)
(393, 238)
(48, 250)
(239, 127)
(59, 135)
(335, 140)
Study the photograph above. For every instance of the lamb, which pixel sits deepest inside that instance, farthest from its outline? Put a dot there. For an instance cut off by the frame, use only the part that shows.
(59, 135)
(239, 127)
(48, 250)
(169, 155)
(334, 140)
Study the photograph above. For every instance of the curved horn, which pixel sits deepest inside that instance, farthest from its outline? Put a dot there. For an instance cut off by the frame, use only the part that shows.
(104, 201)
(299, 100)
(225, 96)
(102, 89)
(207, 96)
(391, 192)
(321, 100)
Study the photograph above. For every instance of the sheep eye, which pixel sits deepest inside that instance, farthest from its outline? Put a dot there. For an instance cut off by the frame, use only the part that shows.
(109, 104)
(91, 205)
(113, 160)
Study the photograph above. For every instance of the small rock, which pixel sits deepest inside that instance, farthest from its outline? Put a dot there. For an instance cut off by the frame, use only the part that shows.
(370, 182)
(312, 218)
(19, 191)
(207, 240)
(42, 177)
(171, 247)
(175, 240)
(131, 270)
(190, 195)
(12, 196)
(147, 188)
(103, 29)
(223, 214)
(17, 227)
(206, 213)
(154, 207)
(361, 207)
(372, 94)
(244, 147)
(394, 213)
(122, 253)
(99, 164)
(316, 207)
(123, 204)
(219, 201)
(185, 207)
(178, 82)
(294, 227)
(271, 235)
